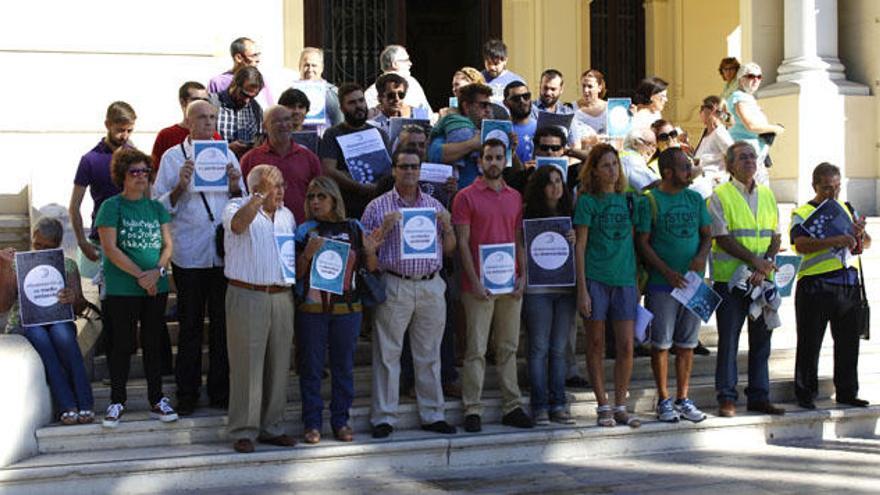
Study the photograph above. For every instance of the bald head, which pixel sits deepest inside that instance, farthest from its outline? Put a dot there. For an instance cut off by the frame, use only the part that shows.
(278, 123)
(201, 119)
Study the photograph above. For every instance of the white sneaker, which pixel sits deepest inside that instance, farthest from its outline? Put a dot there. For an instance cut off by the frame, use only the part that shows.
(666, 412)
(163, 411)
(542, 418)
(114, 413)
(687, 410)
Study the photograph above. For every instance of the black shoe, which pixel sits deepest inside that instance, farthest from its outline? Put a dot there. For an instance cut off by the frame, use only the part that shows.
(382, 430)
(472, 423)
(185, 407)
(440, 427)
(701, 350)
(577, 382)
(854, 401)
(806, 404)
(518, 419)
(766, 408)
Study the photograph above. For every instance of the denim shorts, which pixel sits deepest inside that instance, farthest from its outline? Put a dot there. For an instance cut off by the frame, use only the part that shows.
(612, 303)
(673, 323)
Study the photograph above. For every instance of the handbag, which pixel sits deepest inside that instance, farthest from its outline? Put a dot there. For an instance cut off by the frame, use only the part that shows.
(370, 285)
(219, 231)
(863, 310)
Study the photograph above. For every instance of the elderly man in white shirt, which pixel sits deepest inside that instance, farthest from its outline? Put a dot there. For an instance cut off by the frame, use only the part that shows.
(197, 266)
(394, 58)
(259, 305)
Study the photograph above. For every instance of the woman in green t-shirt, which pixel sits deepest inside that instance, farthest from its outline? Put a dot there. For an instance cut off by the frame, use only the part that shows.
(136, 240)
(606, 274)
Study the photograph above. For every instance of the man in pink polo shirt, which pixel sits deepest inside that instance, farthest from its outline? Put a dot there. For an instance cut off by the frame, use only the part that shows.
(490, 212)
(298, 165)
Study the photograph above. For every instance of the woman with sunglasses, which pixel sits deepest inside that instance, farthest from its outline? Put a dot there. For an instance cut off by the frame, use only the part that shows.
(667, 137)
(324, 321)
(749, 121)
(709, 157)
(135, 236)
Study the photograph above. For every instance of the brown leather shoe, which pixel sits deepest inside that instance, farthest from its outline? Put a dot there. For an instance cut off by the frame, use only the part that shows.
(243, 446)
(766, 408)
(312, 436)
(344, 434)
(452, 390)
(280, 440)
(727, 409)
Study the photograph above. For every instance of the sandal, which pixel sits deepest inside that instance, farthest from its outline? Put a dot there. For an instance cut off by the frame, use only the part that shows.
(69, 418)
(86, 416)
(621, 417)
(344, 433)
(312, 436)
(605, 416)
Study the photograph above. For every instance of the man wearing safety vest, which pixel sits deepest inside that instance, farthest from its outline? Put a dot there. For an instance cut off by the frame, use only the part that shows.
(827, 290)
(745, 231)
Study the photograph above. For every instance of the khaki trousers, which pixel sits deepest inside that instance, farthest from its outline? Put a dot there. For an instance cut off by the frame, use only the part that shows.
(501, 314)
(419, 307)
(259, 335)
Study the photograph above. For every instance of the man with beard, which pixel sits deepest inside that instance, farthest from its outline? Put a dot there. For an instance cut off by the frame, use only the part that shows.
(552, 87)
(354, 111)
(495, 68)
(677, 241)
(240, 117)
(244, 53)
(518, 101)
(395, 59)
(490, 212)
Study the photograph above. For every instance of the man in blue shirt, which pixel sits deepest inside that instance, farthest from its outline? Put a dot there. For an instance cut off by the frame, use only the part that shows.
(518, 101)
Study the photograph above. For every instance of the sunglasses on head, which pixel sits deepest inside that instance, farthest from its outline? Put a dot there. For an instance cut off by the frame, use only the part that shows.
(138, 172)
(321, 196)
(520, 97)
(666, 136)
(550, 147)
(399, 95)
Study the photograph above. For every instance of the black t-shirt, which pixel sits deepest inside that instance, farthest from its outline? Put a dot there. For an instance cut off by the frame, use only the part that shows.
(329, 147)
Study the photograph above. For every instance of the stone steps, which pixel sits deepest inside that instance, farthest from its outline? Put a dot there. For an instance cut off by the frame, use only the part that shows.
(201, 466)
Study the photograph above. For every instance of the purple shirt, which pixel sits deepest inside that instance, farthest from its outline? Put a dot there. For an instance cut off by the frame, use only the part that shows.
(389, 251)
(94, 173)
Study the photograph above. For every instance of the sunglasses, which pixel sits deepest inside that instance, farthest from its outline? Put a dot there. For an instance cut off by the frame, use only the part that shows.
(320, 196)
(398, 95)
(408, 166)
(550, 147)
(520, 97)
(754, 76)
(666, 136)
(139, 172)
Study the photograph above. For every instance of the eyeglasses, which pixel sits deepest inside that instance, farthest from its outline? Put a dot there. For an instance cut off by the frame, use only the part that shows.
(666, 136)
(398, 95)
(520, 97)
(139, 172)
(550, 147)
(320, 196)
(754, 76)
(408, 166)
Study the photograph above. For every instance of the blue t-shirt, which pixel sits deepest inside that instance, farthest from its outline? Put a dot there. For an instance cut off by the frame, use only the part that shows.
(525, 133)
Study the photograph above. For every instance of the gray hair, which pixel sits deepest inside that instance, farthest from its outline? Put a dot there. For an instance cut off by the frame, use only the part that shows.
(730, 154)
(639, 139)
(51, 229)
(386, 58)
(256, 175)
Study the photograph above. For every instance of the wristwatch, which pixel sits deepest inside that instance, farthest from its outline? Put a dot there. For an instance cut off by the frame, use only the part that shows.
(162, 271)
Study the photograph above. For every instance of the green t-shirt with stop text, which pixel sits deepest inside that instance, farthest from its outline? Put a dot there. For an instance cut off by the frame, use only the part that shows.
(611, 218)
(675, 229)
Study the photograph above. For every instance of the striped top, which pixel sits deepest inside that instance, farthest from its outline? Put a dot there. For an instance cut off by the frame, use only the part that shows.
(389, 251)
(252, 256)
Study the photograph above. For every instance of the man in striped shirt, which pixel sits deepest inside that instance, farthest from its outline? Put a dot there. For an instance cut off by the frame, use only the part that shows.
(415, 301)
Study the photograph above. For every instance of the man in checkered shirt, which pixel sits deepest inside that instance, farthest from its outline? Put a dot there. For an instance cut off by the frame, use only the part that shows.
(240, 117)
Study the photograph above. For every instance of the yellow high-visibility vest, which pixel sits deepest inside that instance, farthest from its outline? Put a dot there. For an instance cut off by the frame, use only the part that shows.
(823, 261)
(755, 234)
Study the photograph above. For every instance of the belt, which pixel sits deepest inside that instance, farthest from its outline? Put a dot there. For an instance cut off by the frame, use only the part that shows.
(269, 289)
(412, 277)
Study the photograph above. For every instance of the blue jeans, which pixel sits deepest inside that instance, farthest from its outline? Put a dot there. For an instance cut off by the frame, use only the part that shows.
(314, 333)
(56, 344)
(548, 317)
(731, 315)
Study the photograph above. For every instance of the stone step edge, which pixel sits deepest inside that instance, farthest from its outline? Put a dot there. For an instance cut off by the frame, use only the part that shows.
(445, 450)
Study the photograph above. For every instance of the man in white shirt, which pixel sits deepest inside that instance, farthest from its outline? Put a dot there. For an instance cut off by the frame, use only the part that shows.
(197, 266)
(394, 58)
(259, 303)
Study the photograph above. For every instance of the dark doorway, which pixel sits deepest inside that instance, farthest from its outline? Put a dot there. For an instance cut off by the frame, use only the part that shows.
(617, 43)
(440, 36)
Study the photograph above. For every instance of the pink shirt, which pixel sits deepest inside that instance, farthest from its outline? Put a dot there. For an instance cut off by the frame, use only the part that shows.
(495, 217)
(299, 166)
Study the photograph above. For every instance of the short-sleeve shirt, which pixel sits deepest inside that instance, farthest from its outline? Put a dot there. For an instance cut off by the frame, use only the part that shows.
(93, 173)
(329, 148)
(611, 256)
(494, 218)
(346, 231)
(525, 134)
(138, 227)
(298, 167)
(675, 229)
(499, 83)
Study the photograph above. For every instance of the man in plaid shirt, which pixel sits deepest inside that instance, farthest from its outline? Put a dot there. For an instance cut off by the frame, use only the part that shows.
(240, 117)
(415, 302)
